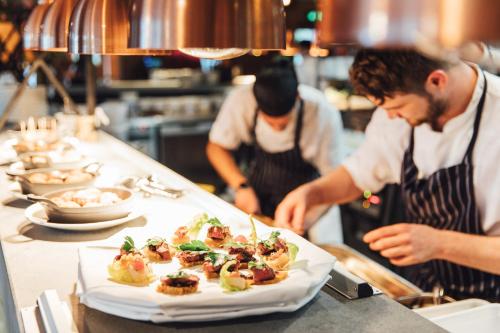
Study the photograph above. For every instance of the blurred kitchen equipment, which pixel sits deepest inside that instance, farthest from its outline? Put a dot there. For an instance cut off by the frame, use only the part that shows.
(484, 319)
(450, 308)
(425, 299)
(38, 64)
(376, 275)
(151, 186)
(349, 285)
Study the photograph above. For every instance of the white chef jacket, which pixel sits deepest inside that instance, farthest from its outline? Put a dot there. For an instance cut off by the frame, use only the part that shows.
(320, 143)
(378, 161)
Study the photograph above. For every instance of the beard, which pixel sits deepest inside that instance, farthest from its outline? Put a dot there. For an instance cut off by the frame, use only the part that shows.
(436, 108)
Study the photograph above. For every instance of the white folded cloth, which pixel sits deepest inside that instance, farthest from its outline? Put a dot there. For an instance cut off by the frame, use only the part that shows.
(309, 273)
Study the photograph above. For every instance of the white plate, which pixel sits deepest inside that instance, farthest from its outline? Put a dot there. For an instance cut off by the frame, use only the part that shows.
(36, 215)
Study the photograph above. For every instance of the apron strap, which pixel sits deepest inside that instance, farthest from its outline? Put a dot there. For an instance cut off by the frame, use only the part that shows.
(254, 125)
(477, 121)
(298, 126)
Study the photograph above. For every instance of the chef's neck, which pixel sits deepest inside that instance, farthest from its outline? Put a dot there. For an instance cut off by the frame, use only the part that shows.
(463, 79)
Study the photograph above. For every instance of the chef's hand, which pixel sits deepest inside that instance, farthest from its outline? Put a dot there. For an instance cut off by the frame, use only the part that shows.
(247, 201)
(405, 244)
(290, 213)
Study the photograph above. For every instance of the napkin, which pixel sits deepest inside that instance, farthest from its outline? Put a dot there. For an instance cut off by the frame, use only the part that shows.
(306, 276)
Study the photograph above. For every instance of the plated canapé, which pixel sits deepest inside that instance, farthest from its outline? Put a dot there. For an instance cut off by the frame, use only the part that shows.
(237, 264)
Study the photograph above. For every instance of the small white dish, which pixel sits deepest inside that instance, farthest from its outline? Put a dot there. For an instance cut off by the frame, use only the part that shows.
(36, 215)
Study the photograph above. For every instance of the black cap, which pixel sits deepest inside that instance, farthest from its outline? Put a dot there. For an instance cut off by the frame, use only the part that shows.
(275, 90)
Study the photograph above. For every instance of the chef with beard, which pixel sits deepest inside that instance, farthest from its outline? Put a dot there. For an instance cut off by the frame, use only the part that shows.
(436, 133)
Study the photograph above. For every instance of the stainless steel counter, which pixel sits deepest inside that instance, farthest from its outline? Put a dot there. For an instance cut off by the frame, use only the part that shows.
(33, 259)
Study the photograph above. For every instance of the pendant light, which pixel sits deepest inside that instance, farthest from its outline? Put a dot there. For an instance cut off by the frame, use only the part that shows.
(423, 23)
(55, 27)
(31, 33)
(102, 27)
(217, 29)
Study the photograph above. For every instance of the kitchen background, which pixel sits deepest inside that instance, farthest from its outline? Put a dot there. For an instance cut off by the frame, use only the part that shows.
(164, 106)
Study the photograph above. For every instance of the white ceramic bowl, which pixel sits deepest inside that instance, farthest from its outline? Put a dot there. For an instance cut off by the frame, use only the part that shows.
(38, 160)
(90, 214)
(42, 188)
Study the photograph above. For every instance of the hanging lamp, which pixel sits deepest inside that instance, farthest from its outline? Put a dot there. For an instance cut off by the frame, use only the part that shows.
(32, 28)
(217, 29)
(102, 27)
(55, 26)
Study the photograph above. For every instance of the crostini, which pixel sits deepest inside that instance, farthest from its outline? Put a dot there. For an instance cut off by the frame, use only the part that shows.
(192, 253)
(157, 250)
(130, 266)
(180, 283)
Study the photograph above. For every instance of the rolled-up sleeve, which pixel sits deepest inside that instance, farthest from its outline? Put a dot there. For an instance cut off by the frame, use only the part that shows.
(378, 160)
(231, 127)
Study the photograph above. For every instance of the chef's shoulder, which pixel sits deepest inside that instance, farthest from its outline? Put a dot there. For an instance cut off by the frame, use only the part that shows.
(318, 107)
(239, 105)
(493, 86)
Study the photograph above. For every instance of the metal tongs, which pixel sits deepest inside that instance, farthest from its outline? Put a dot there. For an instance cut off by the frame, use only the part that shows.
(149, 185)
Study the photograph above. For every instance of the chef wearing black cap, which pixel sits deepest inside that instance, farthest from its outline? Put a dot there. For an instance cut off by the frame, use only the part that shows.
(295, 135)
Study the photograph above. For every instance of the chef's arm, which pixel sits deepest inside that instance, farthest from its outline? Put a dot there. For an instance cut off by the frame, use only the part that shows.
(223, 162)
(335, 188)
(480, 252)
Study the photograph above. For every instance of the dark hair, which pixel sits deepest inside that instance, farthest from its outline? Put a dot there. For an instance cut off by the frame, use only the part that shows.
(382, 73)
(275, 90)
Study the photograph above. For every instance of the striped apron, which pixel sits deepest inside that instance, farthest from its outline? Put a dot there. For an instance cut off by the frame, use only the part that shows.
(274, 175)
(445, 200)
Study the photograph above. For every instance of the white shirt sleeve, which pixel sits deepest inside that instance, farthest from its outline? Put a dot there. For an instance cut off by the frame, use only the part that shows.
(235, 118)
(379, 159)
(330, 145)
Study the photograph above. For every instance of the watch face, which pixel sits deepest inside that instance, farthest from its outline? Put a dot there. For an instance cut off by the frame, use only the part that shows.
(244, 185)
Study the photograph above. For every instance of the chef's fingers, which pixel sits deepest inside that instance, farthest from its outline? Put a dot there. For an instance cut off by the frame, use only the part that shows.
(283, 215)
(396, 252)
(298, 218)
(404, 261)
(387, 231)
(391, 241)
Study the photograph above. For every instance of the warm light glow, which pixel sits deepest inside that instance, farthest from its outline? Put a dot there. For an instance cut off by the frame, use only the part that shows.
(287, 2)
(256, 53)
(214, 53)
(452, 13)
(244, 79)
(316, 51)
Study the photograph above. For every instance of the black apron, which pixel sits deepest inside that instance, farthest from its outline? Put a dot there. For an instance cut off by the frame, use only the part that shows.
(274, 175)
(445, 200)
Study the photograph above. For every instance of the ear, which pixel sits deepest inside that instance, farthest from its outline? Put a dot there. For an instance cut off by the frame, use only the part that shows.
(437, 82)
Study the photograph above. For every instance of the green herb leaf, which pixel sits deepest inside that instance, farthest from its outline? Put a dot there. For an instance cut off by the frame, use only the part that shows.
(235, 244)
(196, 225)
(178, 275)
(215, 222)
(217, 259)
(292, 250)
(258, 265)
(128, 245)
(274, 235)
(155, 241)
(194, 245)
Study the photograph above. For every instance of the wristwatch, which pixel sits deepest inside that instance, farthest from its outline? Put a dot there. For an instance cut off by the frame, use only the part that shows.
(242, 185)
